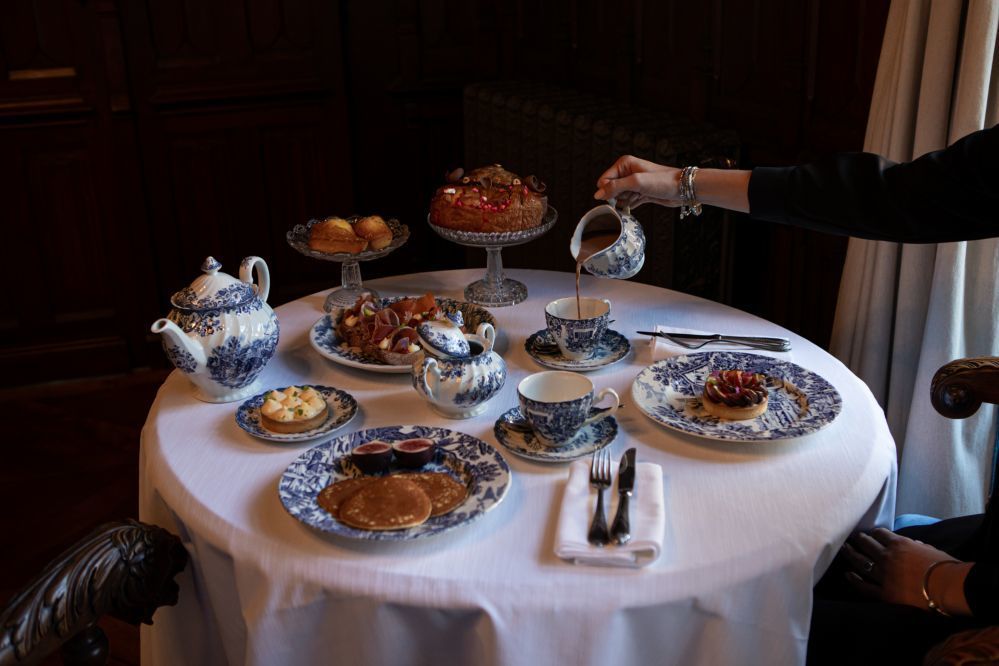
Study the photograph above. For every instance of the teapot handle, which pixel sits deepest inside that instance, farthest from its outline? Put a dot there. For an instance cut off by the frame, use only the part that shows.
(263, 275)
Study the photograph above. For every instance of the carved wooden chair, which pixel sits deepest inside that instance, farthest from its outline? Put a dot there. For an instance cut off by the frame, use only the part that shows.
(958, 389)
(123, 569)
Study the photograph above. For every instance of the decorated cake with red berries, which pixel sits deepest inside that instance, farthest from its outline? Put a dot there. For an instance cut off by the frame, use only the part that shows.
(488, 200)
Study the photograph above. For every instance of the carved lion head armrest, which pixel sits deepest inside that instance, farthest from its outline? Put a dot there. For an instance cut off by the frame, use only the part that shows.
(124, 569)
(959, 388)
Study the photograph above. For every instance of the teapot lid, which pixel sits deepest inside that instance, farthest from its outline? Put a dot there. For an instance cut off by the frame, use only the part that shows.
(213, 290)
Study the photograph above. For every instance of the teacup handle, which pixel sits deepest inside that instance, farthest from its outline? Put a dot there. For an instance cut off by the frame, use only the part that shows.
(487, 333)
(609, 412)
(430, 367)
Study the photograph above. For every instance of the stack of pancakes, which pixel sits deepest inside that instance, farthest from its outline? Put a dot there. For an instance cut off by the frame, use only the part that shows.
(392, 502)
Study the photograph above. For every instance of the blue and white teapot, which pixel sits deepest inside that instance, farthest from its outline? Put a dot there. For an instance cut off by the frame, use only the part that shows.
(221, 332)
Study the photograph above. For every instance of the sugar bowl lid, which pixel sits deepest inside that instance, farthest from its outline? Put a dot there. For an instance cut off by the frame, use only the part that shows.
(443, 337)
(213, 290)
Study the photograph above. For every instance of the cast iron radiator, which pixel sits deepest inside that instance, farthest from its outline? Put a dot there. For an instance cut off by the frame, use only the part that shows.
(568, 138)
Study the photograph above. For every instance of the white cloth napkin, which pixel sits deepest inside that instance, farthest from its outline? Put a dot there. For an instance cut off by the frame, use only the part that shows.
(648, 518)
(658, 345)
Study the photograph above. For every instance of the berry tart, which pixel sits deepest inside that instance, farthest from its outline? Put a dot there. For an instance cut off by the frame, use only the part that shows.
(735, 395)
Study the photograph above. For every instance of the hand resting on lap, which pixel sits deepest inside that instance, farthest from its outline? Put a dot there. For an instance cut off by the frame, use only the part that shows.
(891, 568)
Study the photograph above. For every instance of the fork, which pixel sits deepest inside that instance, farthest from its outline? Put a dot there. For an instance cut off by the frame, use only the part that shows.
(600, 478)
(779, 345)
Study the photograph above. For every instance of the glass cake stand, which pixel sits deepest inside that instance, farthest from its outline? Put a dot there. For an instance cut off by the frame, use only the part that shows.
(350, 273)
(495, 289)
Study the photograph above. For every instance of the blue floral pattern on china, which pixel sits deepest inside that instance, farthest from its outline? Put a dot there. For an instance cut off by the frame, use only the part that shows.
(181, 358)
(207, 322)
(226, 297)
(580, 336)
(236, 362)
(590, 438)
(613, 347)
(470, 460)
(800, 401)
(556, 422)
(625, 257)
(342, 408)
(324, 340)
(443, 338)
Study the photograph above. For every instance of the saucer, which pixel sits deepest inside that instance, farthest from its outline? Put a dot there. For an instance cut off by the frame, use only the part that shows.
(342, 408)
(613, 347)
(590, 438)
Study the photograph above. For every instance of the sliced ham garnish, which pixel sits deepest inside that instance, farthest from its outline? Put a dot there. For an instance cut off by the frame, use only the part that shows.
(401, 346)
(380, 332)
(387, 317)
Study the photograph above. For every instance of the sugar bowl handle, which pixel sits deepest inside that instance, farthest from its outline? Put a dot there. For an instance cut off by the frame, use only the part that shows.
(487, 333)
(263, 275)
(430, 368)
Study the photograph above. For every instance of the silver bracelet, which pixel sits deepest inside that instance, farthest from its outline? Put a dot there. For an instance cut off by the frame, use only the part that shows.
(930, 603)
(689, 205)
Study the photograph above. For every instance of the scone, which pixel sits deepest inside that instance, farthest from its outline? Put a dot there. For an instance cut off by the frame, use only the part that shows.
(335, 235)
(293, 410)
(735, 395)
(374, 230)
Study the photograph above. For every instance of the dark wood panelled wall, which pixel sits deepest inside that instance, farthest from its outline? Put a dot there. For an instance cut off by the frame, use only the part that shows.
(139, 136)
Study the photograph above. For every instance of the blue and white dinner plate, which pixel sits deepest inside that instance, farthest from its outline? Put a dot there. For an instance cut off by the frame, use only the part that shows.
(470, 460)
(613, 348)
(323, 338)
(342, 408)
(801, 402)
(590, 438)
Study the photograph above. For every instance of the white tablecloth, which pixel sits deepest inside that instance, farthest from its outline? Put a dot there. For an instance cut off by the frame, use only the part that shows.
(749, 528)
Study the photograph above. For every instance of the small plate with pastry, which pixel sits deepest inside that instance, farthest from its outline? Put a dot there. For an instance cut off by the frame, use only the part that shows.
(348, 241)
(296, 413)
(395, 483)
(736, 396)
(379, 334)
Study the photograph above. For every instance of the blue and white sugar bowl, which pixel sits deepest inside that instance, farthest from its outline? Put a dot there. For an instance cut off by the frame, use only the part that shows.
(458, 387)
(221, 332)
(610, 242)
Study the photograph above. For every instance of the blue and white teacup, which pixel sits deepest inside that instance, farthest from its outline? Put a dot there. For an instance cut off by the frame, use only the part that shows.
(557, 404)
(578, 337)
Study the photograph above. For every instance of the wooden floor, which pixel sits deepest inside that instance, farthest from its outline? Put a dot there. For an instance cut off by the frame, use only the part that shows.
(69, 463)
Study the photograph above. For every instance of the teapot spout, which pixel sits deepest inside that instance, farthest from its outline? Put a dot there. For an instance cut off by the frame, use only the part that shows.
(178, 338)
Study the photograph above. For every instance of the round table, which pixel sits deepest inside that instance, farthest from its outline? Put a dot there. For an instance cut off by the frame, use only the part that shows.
(749, 527)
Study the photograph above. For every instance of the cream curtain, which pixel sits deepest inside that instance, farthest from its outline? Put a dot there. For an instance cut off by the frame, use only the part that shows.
(905, 310)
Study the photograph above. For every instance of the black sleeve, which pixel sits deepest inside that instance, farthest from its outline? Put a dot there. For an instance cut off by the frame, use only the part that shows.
(981, 586)
(947, 195)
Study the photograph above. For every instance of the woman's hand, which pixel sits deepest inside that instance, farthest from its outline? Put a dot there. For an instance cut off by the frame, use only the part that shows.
(890, 567)
(633, 181)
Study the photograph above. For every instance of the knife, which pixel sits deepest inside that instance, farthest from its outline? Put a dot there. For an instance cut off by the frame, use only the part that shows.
(717, 337)
(621, 527)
